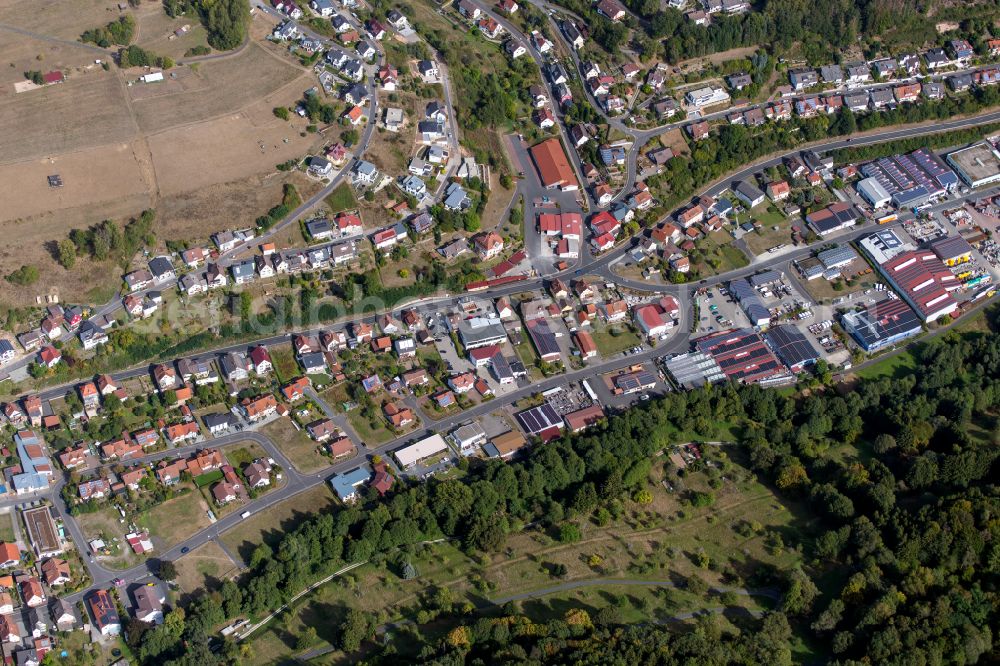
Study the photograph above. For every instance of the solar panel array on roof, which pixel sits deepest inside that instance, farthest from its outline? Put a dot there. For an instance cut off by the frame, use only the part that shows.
(543, 338)
(837, 256)
(765, 278)
(742, 355)
(538, 419)
(911, 178)
(791, 346)
(882, 324)
(635, 381)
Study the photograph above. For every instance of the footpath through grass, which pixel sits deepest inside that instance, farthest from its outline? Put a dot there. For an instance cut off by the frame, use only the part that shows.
(744, 527)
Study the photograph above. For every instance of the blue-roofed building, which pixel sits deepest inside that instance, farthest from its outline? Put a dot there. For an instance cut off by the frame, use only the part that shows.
(346, 485)
(36, 470)
(748, 299)
(455, 198)
(723, 207)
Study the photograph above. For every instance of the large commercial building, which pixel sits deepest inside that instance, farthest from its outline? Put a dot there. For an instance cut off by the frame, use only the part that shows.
(977, 165)
(553, 167)
(481, 332)
(912, 179)
(792, 347)
(881, 324)
(873, 192)
(413, 453)
(883, 245)
(744, 356)
(924, 282)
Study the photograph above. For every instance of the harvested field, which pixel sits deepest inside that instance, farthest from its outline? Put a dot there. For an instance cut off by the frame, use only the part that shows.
(215, 88)
(56, 18)
(120, 173)
(25, 53)
(674, 140)
(81, 113)
(221, 151)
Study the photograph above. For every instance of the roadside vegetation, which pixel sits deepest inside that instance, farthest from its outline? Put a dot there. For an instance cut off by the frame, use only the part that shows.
(891, 485)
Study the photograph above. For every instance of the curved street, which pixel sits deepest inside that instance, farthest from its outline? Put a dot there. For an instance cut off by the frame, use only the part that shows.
(296, 482)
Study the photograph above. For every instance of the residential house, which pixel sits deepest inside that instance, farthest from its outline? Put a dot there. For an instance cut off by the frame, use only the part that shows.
(261, 360)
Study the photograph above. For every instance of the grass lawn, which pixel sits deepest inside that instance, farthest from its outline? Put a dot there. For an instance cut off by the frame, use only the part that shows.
(744, 528)
(301, 451)
(612, 339)
(177, 519)
(207, 478)
(7, 527)
(285, 366)
(635, 604)
(719, 255)
(341, 198)
(204, 568)
(776, 229)
(244, 453)
(366, 433)
(526, 353)
(895, 366)
(268, 526)
(104, 524)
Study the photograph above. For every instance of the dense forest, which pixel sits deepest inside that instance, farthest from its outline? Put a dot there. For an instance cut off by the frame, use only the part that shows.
(899, 474)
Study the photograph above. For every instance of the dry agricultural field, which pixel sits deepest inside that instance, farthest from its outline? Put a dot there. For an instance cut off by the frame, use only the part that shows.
(201, 147)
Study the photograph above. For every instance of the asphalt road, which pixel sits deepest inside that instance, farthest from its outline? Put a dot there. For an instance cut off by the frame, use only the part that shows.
(296, 482)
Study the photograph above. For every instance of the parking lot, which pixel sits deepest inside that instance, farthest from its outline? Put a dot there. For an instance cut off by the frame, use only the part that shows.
(717, 311)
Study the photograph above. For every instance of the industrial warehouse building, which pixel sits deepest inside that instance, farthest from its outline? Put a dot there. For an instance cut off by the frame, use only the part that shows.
(542, 421)
(977, 165)
(792, 347)
(748, 299)
(554, 169)
(912, 179)
(873, 192)
(924, 283)
(425, 448)
(744, 356)
(881, 324)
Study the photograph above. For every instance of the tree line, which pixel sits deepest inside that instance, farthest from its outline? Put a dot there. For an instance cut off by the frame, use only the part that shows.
(225, 21)
(903, 524)
(732, 146)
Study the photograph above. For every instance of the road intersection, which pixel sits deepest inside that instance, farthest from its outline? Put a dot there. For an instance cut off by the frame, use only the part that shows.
(296, 482)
